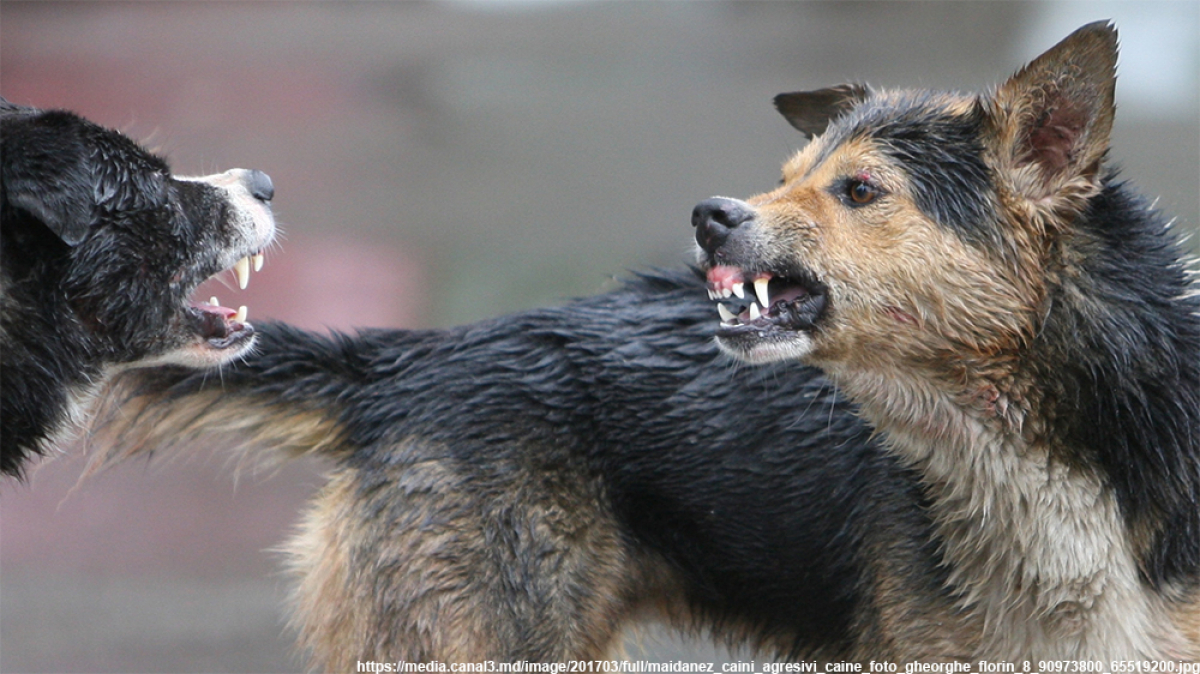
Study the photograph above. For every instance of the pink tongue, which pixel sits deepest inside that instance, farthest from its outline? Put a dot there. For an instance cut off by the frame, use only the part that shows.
(223, 312)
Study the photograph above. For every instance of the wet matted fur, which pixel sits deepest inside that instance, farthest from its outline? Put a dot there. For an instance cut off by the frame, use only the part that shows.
(523, 488)
(1017, 324)
(100, 247)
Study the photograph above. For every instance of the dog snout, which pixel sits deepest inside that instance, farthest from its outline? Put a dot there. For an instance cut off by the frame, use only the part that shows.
(259, 185)
(716, 218)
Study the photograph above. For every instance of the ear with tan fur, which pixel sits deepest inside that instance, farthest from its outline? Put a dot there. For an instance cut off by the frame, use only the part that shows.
(1053, 118)
(811, 111)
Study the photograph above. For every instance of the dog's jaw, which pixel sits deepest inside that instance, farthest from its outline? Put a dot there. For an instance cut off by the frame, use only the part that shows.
(219, 334)
(766, 316)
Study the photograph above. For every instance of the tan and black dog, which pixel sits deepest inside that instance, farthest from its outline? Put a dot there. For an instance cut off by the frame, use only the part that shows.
(100, 247)
(1018, 325)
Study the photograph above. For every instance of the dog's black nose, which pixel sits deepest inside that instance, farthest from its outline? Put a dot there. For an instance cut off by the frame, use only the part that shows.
(260, 185)
(715, 218)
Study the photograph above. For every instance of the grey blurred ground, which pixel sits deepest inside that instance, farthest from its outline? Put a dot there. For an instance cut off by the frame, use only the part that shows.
(440, 162)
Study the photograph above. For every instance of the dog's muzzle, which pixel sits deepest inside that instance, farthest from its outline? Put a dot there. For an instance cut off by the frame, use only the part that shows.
(759, 301)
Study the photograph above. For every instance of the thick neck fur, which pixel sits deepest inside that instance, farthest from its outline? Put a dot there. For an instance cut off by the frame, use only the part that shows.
(44, 399)
(1038, 549)
(48, 367)
(1069, 523)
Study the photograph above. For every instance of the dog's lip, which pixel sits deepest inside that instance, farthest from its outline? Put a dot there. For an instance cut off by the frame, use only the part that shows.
(758, 300)
(219, 326)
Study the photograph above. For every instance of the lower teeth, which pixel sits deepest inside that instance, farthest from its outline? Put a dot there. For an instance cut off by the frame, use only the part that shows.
(751, 312)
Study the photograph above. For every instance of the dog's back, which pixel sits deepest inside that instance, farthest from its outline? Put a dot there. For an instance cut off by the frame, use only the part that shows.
(532, 484)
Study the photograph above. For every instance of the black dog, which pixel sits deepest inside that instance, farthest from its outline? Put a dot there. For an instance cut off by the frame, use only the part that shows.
(100, 248)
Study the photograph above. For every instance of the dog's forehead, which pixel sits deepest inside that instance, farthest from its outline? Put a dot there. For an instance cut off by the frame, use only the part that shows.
(107, 150)
(897, 121)
(908, 119)
(121, 148)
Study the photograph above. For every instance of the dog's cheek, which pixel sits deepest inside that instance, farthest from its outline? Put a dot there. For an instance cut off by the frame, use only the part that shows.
(854, 325)
(879, 289)
(133, 318)
(121, 298)
(203, 223)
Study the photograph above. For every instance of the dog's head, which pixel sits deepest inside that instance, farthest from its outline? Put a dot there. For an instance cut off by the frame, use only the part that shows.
(100, 240)
(914, 224)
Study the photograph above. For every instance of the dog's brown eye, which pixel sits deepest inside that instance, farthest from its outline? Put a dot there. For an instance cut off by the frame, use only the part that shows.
(861, 192)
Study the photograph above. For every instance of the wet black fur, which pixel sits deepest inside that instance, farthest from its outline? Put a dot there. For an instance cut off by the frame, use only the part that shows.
(1123, 370)
(98, 244)
(759, 486)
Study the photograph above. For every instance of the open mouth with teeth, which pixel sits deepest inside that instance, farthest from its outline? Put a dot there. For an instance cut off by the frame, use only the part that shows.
(762, 303)
(220, 327)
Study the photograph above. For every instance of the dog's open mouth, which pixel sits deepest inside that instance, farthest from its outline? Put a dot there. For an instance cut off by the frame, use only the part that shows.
(220, 327)
(760, 302)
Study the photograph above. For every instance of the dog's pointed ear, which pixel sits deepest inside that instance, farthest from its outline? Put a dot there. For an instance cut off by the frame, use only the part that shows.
(1052, 120)
(811, 111)
(48, 184)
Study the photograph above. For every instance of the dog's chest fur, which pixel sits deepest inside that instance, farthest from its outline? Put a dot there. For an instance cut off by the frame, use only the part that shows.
(1037, 550)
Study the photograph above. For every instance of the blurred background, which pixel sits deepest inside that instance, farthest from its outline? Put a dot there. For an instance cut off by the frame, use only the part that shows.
(437, 163)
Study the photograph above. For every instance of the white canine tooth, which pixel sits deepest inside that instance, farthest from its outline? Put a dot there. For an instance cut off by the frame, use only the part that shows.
(726, 315)
(240, 316)
(213, 301)
(257, 259)
(760, 291)
(739, 290)
(754, 315)
(242, 271)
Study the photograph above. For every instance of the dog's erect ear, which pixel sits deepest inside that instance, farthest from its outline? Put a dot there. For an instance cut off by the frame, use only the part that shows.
(811, 111)
(1052, 119)
(49, 183)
